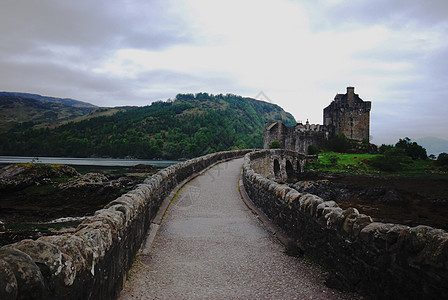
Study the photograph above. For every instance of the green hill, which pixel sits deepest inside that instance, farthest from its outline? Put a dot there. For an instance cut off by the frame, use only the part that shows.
(189, 126)
(22, 110)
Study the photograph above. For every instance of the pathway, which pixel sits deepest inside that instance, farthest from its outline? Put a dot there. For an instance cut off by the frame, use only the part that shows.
(210, 246)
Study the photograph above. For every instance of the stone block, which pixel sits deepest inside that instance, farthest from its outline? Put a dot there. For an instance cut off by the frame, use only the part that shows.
(56, 267)
(308, 203)
(8, 282)
(381, 236)
(436, 250)
(124, 211)
(30, 282)
(332, 218)
(280, 191)
(98, 237)
(426, 246)
(361, 221)
(292, 196)
(415, 239)
(320, 208)
(73, 246)
(350, 214)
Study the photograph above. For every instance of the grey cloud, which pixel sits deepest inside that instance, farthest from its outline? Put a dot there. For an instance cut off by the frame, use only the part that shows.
(53, 79)
(415, 105)
(395, 13)
(51, 46)
(176, 82)
(92, 24)
(56, 80)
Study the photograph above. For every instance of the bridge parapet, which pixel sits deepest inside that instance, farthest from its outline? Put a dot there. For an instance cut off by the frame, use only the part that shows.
(384, 260)
(92, 262)
(278, 164)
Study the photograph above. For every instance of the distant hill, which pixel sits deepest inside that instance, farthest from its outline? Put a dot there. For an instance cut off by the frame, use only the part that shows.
(27, 110)
(434, 145)
(189, 126)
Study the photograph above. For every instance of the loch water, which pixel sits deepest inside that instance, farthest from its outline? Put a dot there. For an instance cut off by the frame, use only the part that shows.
(85, 165)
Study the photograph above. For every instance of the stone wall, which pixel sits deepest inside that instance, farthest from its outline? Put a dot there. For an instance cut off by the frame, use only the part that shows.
(278, 164)
(296, 138)
(384, 260)
(92, 262)
(349, 115)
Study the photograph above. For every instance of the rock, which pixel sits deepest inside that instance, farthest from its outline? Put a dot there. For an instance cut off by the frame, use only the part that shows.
(382, 236)
(350, 215)
(142, 168)
(30, 283)
(18, 176)
(361, 221)
(56, 204)
(55, 266)
(82, 180)
(8, 282)
(392, 197)
(320, 208)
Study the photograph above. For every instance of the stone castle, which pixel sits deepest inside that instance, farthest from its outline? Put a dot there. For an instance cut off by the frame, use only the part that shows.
(347, 114)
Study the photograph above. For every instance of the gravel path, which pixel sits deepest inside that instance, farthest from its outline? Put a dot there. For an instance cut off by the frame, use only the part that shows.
(210, 246)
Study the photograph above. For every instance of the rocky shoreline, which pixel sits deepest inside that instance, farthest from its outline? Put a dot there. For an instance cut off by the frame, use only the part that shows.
(40, 199)
(404, 200)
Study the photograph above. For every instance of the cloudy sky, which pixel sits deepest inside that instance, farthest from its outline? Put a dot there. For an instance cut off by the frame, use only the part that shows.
(299, 53)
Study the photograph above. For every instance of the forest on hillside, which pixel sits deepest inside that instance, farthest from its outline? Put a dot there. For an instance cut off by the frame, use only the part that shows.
(188, 126)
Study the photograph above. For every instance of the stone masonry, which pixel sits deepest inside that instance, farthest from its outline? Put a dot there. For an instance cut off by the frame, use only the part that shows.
(382, 260)
(347, 114)
(92, 262)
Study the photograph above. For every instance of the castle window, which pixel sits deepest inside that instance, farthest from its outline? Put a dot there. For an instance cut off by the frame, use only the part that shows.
(351, 128)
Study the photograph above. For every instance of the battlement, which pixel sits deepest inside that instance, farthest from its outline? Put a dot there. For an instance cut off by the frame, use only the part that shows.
(347, 114)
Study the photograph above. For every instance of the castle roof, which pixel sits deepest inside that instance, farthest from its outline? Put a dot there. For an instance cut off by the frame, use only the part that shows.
(273, 124)
(342, 98)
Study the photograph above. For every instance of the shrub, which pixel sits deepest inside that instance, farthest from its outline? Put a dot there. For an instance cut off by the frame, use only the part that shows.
(340, 143)
(313, 150)
(392, 160)
(383, 148)
(442, 159)
(274, 145)
(412, 149)
(333, 159)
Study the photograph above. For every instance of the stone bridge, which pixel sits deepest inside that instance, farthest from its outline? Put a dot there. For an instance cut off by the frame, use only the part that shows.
(209, 245)
(278, 165)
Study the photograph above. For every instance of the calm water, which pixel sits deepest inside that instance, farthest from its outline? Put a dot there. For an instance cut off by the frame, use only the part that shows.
(84, 165)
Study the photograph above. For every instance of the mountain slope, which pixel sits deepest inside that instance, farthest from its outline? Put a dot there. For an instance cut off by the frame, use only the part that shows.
(189, 126)
(25, 110)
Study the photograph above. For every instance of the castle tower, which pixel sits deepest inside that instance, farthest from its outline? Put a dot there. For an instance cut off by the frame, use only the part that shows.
(348, 114)
(275, 131)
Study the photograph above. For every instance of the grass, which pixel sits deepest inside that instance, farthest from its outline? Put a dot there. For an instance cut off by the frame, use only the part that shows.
(342, 162)
(359, 164)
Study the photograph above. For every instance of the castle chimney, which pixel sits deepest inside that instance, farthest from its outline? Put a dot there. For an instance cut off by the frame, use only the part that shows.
(350, 94)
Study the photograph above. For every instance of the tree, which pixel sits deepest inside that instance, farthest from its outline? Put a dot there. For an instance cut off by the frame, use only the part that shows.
(274, 145)
(340, 143)
(442, 159)
(412, 149)
(313, 150)
(383, 148)
(392, 160)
